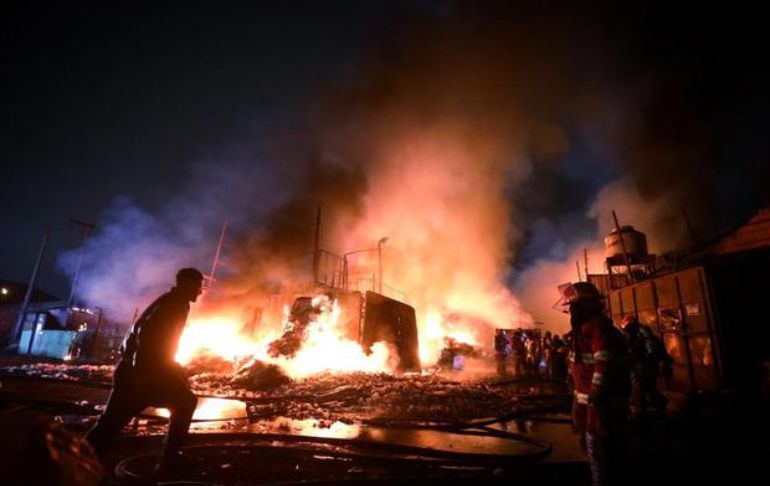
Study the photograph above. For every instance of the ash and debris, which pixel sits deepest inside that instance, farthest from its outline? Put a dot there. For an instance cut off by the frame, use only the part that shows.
(62, 371)
(383, 398)
(428, 397)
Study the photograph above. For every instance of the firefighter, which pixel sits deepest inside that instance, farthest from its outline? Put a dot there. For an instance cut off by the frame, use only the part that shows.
(519, 352)
(648, 360)
(600, 375)
(546, 348)
(557, 365)
(147, 374)
(502, 350)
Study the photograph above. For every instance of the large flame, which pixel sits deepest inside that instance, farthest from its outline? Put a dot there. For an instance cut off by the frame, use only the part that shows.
(328, 349)
(325, 348)
(220, 336)
(433, 231)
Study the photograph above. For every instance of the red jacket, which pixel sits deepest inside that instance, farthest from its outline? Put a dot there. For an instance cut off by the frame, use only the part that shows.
(601, 377)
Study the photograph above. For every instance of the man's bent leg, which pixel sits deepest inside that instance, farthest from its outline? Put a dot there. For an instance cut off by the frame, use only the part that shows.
(181, 416)
(175, 394)
(121, 407)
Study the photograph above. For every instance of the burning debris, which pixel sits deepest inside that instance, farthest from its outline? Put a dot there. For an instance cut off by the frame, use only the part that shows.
(304, 311)
(454, 354)
(257, 375)
(210, 363)
(355, 397)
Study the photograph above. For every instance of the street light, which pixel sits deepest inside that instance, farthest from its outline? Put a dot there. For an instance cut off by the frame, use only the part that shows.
(382, 241)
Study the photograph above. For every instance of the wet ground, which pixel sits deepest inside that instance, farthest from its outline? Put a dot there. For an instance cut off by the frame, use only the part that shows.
(378, 429)
(329, 428)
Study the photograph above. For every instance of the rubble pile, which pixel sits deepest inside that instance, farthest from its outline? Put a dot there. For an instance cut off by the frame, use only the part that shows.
(388, 399)
(432, 398)
(210, 363)
(62, 371)
(258, 375)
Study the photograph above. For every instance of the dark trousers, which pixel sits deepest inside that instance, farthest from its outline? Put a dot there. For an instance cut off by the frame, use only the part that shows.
(608, 459)
(134, 391)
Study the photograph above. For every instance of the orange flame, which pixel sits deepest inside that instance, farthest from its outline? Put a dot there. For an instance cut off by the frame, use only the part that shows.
(325, 348)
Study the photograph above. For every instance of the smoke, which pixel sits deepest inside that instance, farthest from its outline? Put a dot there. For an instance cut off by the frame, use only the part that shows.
(536, 284)
(488, 143)
(135, 253)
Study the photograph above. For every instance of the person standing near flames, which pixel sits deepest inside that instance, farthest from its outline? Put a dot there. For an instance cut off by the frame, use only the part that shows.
(601, 379)
(502, 350)
(649, 360)
(147, 374)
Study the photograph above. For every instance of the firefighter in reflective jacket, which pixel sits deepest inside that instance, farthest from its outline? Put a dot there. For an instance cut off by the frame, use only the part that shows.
(648, 360)
(601, 378)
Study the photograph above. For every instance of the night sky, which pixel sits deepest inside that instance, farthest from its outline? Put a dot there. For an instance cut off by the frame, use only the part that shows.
(105, 101)
(108, 100)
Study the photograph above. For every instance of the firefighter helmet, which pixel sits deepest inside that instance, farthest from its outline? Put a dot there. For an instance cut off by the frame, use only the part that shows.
(572, 293)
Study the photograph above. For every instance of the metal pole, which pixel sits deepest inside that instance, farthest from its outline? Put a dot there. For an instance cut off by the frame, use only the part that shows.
(316, 248)
(217, 253)
(379, 254)
(87, 227)
(95, 343)
(30, 287)
(577, 266)
(379, 269)
(585, 261)
(689, 226)
(623, 246)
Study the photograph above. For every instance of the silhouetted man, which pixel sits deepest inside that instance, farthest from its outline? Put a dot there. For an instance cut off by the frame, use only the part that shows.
(147, 374)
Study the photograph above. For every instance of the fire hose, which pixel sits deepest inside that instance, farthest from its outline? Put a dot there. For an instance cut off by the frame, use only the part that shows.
(481, 427)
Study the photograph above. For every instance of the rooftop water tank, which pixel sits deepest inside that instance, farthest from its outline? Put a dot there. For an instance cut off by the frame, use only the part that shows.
(635, 243)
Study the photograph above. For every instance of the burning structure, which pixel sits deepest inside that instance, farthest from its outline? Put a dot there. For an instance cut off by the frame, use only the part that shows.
(327, 328)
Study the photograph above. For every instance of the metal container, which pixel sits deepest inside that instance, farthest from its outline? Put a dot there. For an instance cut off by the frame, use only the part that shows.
(635, 244)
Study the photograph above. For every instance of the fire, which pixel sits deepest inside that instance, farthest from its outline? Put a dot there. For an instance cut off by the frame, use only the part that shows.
(325, 347)
(433, 229)
(434, 333)
(220, 336)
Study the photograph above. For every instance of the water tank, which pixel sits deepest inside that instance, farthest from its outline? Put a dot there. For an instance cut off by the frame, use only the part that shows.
(635, 244)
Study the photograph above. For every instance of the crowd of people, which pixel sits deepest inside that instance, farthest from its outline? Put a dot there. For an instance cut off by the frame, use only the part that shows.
(530, 352)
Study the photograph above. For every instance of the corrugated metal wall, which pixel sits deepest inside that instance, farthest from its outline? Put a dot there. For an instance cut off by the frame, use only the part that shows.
(678, 308)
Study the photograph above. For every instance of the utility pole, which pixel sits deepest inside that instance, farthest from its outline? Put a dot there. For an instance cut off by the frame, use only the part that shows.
(30, 287)
(87, 227)
(689, 227)
(585, 261)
